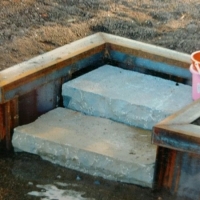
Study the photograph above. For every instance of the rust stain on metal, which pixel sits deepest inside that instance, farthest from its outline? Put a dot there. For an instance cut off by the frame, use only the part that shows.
(169, 173)
(165, 169)
(8, 123)
(8, 120)
(2, 122)
(14, 112)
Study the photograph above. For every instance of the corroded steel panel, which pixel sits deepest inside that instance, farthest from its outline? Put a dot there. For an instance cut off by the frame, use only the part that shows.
(30, 83)
(8, 120)
(147, 55)
(27, 108)
(45, 74)
(164, 169)
(2, 122)
(48, 96)
(178, 172)
(178, 155)
(164, 136)
(134, 62)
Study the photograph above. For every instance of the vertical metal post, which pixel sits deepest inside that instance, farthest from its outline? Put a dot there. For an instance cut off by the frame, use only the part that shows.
(166, 172)
(8, 120)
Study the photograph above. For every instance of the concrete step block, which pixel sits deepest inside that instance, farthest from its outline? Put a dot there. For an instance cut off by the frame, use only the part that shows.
(125, 96)
(97, 146)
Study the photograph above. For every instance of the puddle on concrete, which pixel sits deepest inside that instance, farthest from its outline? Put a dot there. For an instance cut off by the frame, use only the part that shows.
(51, 191)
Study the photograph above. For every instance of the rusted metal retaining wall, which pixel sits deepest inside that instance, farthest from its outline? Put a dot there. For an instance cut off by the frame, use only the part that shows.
(178, 153)
(32, 88)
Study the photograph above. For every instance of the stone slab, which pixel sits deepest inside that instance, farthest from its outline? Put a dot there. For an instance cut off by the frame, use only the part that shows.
(125, 96)
(97, 146)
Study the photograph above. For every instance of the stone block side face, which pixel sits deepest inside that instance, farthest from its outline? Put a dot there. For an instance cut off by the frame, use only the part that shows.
(115, 109)
(85, 161)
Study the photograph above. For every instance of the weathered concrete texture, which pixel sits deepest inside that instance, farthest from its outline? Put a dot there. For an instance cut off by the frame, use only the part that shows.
(93, 145)
(125, 96)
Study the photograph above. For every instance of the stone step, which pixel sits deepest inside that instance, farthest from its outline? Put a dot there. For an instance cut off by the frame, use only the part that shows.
(93, 145)
(125, 96)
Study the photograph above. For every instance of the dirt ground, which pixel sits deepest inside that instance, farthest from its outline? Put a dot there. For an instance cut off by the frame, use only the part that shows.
(32, 27)
(22, 173)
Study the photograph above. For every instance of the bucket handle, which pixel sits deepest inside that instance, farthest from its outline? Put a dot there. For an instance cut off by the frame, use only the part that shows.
(197, 67)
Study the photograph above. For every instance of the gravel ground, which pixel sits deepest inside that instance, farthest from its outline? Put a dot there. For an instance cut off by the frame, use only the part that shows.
(32, 27)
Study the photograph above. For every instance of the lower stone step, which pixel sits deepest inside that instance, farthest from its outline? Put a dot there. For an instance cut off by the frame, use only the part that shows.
(125, 96)
(92, 145)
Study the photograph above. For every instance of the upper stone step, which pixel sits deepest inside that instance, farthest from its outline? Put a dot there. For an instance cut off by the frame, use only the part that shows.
(93, 145)
(125, 96)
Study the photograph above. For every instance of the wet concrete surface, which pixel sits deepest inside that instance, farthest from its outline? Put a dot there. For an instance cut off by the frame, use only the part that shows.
(25, 176)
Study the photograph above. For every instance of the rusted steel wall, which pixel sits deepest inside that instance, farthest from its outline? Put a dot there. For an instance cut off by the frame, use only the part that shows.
(177, 167)
(166, 169)
(26, 99)
(26, 108)
(178, 172)
(8, 120)
(115, 48)
(61, 69)
(148, 63)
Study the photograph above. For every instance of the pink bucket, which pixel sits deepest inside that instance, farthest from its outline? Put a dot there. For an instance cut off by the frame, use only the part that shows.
(195, 83)
(195, 57)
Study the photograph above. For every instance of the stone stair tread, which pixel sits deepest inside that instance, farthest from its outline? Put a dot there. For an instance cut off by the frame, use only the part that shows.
(125, 96)
(93, 145)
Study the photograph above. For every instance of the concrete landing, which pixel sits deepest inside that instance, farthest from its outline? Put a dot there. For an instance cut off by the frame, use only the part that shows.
(125, 96)
(93, 145)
